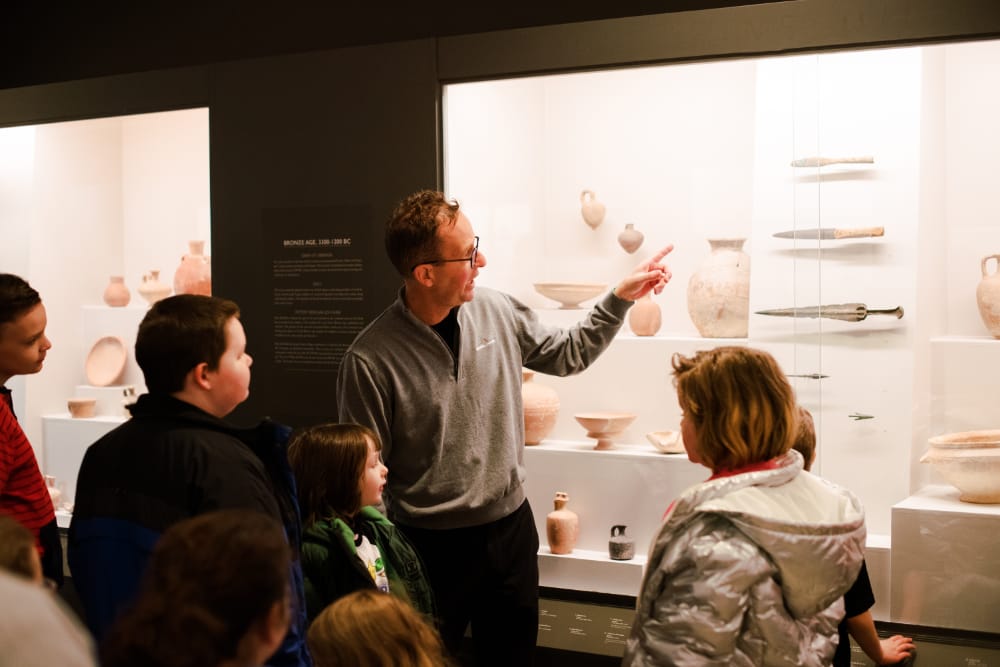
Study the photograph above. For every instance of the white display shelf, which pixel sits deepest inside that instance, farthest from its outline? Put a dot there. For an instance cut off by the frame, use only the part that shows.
(586, 570)
(945, 563)
(631, 485)
(65, 440)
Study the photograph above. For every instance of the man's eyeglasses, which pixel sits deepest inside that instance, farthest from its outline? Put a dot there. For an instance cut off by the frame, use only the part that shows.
(471, 259)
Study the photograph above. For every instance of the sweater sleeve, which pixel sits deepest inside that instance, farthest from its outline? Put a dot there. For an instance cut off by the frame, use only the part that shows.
(568, 351)
(362, 399)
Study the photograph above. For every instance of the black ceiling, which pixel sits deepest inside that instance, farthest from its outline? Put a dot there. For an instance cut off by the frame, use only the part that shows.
(45, 42)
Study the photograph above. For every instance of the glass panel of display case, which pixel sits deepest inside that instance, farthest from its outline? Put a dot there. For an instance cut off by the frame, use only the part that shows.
(857, 181)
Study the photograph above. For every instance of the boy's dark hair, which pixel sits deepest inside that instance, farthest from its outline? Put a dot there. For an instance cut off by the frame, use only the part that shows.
(16, 297)
(177, 334)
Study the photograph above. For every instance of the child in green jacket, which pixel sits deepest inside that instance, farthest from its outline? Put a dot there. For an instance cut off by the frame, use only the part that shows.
(347, 544)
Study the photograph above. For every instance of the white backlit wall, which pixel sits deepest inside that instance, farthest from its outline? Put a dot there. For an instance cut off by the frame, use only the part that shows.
(689, 152)
(87, 199)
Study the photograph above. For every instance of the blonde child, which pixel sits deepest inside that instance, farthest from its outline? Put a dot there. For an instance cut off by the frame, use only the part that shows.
(366, 629)
(347, 544)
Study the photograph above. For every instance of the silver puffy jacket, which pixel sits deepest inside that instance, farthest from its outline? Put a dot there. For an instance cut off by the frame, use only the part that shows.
(750, 569)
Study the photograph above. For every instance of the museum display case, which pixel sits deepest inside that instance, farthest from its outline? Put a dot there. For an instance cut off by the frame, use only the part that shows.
(833, 209)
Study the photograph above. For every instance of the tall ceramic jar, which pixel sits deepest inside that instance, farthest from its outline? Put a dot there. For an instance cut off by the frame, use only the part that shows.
(541, 408)
(194, 275)
(116, 294)
(645, 318)
(988, 296)
(718, 295)
(562, 526)
(151, 289)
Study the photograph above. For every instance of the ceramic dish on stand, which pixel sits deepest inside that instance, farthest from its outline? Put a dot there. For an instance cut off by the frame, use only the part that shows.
(570, 295)
(605, 426)
(106, 361)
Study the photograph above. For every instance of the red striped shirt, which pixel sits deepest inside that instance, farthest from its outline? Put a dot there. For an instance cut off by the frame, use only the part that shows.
(23, 494)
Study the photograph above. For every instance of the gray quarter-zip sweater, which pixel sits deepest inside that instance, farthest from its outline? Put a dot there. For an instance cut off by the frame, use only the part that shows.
(452, 429)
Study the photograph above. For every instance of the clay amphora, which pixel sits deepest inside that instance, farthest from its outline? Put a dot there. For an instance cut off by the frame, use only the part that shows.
(541, 408)
(620, 547)
(630, 239)
(718, 295)
(592, 210)
(194, 275)
(645, 318)
(988, 296)
(151, 289)
(116, 294)
(562, 526)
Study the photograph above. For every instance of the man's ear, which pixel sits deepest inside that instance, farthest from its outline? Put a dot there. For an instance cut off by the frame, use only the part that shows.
(198, 377)
(424, 274)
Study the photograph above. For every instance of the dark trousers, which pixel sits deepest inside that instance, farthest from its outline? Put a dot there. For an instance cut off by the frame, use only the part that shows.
(487, 576)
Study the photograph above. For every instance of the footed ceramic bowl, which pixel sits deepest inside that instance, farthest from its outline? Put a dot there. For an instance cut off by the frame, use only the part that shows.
(604, 425)
(970, 461)
(668, 442)
(570, 295)
(81, 408)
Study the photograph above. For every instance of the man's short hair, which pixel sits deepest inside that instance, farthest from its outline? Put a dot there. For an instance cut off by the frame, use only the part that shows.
(411, 231)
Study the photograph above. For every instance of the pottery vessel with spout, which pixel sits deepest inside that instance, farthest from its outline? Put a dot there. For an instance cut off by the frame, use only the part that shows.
(151, 289)
(541, 408)
(194, 275)
(591, 209)
(562, 526)
(620, 547)
(718, 294)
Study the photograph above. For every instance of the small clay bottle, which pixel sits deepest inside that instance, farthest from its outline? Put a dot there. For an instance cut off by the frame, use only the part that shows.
(562, 526)
(116, 294)
(630, 238)
(620, 547)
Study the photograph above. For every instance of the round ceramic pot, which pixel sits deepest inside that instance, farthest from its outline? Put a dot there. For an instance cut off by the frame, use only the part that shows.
(194, 275)
(970, 461)
(630, 239)
(645, 318)
(116, 294)
(541, 408)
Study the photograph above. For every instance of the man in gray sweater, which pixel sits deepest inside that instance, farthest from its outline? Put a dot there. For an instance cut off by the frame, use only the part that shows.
(438, 376)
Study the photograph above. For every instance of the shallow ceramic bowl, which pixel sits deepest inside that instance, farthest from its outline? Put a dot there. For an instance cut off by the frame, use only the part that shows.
(106, 361)
(81, 408)
(970, 461)
(668, 442)
(604, 425)
(570, 295)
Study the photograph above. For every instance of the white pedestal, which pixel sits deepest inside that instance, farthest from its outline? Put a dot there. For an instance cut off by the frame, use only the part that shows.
(631, 486)
(945, 561)
(64, 442)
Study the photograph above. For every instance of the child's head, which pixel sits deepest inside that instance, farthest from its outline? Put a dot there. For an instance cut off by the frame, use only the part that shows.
(18, 554)
(805, 438)
(337, 469)
(195, 342)
(195, 607)
(23, 343)
(368, 629)
(738, 406)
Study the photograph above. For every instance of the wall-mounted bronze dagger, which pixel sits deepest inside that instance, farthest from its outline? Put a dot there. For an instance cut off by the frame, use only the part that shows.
(847, 312)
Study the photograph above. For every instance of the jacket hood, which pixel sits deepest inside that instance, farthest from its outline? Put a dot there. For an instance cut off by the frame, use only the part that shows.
(812, 530)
